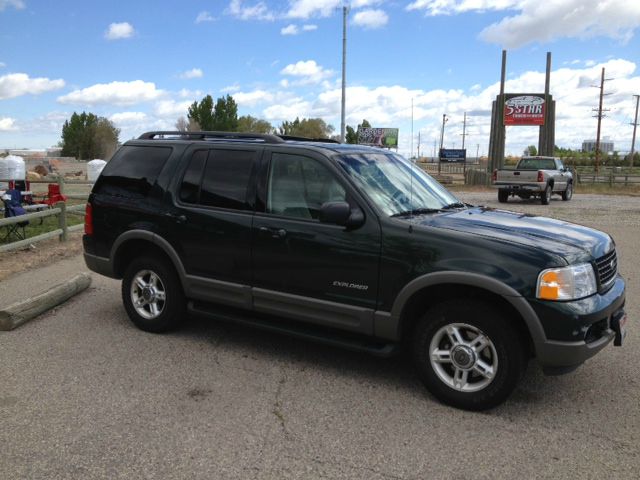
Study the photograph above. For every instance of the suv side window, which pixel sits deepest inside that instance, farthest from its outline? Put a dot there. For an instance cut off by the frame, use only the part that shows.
(133, 170)
(298, 186)
(218, 178)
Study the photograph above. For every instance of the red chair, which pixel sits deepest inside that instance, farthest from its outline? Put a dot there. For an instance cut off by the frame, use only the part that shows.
(53, 195)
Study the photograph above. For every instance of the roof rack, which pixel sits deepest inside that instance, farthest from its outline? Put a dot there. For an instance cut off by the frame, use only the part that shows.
(259, 137)
(306, 139)
(266, 138)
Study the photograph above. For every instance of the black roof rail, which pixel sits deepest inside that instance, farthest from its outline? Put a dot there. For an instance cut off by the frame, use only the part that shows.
(266, 138)
(307, 139)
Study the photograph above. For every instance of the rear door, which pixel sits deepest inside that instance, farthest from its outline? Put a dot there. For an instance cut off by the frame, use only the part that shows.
(212, 221)
(302, 268)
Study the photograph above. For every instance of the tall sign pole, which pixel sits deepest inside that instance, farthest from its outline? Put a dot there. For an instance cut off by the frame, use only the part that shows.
(345, 11)
(635, 124)
(600, 115)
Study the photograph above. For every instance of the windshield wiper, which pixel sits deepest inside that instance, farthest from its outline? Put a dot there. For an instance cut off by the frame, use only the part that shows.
(454, 205)
(417, 211)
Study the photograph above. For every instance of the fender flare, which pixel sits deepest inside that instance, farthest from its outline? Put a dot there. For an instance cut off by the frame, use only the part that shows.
(483, 282)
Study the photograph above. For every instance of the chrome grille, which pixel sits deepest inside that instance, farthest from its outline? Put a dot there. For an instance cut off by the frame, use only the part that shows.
(607, 268)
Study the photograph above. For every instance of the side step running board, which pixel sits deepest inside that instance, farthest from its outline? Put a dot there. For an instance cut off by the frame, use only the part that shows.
(295, 329)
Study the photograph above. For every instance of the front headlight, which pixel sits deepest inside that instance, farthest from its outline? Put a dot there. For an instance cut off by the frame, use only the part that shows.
(567, 283)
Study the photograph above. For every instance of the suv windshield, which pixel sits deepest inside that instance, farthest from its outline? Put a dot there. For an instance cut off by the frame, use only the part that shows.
(394, 185)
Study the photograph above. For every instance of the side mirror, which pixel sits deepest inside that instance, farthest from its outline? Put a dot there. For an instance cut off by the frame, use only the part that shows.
(340, 213)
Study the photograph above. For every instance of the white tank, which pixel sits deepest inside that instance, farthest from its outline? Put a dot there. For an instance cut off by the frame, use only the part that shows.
(12, 167)
(94, 167)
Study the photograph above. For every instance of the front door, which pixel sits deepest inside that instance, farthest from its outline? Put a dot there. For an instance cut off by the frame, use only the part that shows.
(303, 268)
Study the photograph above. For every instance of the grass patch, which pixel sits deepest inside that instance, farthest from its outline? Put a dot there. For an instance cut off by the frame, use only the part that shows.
(48, 224)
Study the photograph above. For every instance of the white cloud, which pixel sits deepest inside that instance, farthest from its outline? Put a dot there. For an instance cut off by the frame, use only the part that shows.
(171, 108)
(308, 72)
(251, 99)
(258, 11)
(322, 8)
(205, 17)
(127, 118)
(2, 64)
(7, 124)
(17, 84)
(537, 21)
(309, 27)
(184, 93)
(193, 73)
(290, 30)
(115, 93)
(371, 19)
(230, 88)
(118, 31)
(17, 4)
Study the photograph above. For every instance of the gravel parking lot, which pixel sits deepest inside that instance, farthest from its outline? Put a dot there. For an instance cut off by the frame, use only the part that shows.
(83, 394)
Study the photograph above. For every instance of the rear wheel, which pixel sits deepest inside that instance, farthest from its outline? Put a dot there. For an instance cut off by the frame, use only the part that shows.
(503, 195)
(568, 193)
(467, 354)
(152, 294)
(545, 196)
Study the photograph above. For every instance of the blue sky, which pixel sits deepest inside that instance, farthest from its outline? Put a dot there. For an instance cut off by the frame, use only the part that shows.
(141, 63)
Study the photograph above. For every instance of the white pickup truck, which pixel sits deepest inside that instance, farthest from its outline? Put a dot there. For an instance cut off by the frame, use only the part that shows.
(534, 177)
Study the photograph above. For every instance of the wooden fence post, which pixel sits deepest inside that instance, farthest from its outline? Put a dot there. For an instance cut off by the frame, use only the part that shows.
(62, 221)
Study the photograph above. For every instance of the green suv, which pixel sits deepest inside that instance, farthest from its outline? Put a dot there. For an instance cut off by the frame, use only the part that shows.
(355, 247)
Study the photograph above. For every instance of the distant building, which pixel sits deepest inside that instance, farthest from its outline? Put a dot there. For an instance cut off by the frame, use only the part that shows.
(606, 145)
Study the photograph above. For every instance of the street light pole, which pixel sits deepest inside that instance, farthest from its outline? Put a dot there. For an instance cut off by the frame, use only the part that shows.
(345, 11)
(635, 124)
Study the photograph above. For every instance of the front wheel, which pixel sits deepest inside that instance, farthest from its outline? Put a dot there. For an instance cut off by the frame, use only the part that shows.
(568, 193)
(152, 294)
(467, 354)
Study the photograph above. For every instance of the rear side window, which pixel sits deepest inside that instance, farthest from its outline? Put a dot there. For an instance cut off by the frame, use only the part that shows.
(133, 171)
(219, 179)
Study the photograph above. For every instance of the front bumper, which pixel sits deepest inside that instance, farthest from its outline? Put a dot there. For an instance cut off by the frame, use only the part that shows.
(579, 329)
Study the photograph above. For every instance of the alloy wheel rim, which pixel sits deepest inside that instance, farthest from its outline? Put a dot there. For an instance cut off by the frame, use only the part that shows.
(148, 294)
(463, 357)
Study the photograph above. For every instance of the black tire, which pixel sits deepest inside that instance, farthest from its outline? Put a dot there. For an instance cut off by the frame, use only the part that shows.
(545, 196)
(568, 193)
(503, 195)
(505, 354)
(161, 302)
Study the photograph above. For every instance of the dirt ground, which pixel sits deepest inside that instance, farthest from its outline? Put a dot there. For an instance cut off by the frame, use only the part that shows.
(40, 254)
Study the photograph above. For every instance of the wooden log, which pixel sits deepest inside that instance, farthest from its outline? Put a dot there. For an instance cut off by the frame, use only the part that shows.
(21, 312)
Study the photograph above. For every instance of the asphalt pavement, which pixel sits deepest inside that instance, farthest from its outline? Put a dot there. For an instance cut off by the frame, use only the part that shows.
(85, 395)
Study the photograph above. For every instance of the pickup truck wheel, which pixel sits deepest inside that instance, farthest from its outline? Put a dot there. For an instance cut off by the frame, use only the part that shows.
(467, 354)
(545, 196)
(568, 193)
(152, 295)
(503, 195)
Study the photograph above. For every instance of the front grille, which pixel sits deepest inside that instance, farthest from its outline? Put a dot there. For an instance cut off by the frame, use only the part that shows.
(607, 266)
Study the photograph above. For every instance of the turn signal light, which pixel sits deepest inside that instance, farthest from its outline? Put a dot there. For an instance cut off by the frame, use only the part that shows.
(88, 219)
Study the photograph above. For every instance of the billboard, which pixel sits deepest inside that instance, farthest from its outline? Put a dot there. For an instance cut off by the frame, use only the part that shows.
(379, 137)
(524, 108)
(453, 154)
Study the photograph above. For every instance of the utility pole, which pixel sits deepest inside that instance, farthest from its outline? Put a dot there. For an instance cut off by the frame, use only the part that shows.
(635, 124)
(464, 129)
(600, 114)
(345, 11)
(444, 120)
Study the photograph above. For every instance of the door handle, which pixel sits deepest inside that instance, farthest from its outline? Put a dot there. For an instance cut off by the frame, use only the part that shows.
(274, 232)
(177, 218)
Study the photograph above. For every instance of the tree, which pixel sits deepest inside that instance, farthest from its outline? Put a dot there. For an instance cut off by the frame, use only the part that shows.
(184, 125)
(250, 124)
(86, 136)
(351, 135)
(307, 127)
(531, 151)
(221, 118)
(225, 114)
(202, 113)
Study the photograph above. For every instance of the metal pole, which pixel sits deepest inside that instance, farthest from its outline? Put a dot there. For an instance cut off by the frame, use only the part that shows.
(599, 122)
(635, 124)
(444, 119)
(345, 10)
(464, 129)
